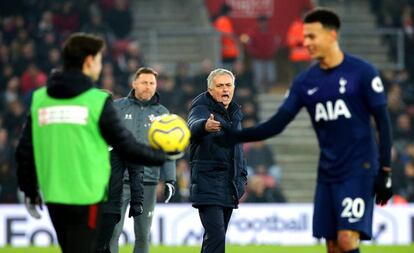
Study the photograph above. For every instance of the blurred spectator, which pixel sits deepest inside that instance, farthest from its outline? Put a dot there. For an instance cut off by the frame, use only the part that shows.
(245, 88)
(8, 182)
(108, 83)
(7, 72)
(97, 26)
(407, 21)
(188, 90)
(229, 42)
(26, 55)
(9, 29)
(409, 173)
(407, 86)
(53, 61)
(119, 18)
(258, 192)
(129, 61)
(200, 77)
(66, 19)
(299, 54)
(108, 74)
(182, 74)
(260, 160)
(108, 69)
(387, 77)
(183, 82)
(168, 93)
(132, 65)
(47, 42)
(32, 78)
(46, 24)
(5, 55)
(249, 109)
(11, 93)
(399, 179)
(248, 122)
(22, 38)
(389, 12)
(14, 119)
(262, 46)
(395, 104)
(407, 26)
(403, 130)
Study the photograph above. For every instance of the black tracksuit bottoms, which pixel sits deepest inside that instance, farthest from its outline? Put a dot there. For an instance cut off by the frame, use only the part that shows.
(215, 220)
(76, 226)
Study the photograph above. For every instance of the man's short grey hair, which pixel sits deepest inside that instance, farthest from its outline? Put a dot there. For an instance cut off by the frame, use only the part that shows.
(218, 72)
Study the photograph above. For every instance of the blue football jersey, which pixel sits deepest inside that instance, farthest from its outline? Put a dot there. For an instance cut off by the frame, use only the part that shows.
(339, 102)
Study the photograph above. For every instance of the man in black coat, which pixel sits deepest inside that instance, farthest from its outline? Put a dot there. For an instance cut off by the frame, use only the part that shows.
(218, 171)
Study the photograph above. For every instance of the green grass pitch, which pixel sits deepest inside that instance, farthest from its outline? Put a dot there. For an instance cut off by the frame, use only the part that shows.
(233, 249)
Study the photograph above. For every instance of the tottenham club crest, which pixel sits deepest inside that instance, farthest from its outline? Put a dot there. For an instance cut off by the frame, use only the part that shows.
(342, 83)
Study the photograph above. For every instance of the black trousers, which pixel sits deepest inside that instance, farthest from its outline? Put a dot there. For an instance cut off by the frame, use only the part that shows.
(76, 226)
(215, 220)
(109, 221)
(111, 209)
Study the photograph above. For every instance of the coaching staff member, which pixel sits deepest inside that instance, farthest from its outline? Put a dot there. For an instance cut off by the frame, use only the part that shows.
(218, 172)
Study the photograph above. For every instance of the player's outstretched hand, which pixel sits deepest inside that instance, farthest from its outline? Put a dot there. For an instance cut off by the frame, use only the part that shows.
(383, 187)
(135, 209)
(169, 190)
(32, 205)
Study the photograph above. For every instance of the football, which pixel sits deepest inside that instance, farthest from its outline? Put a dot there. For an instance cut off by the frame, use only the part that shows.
(170, 133)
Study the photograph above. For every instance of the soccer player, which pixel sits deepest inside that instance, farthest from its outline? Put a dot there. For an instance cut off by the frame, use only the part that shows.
(63, 155)
(340, 92)
(218, 171)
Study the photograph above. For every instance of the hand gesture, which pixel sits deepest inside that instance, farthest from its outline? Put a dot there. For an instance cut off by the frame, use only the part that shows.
(212, 125)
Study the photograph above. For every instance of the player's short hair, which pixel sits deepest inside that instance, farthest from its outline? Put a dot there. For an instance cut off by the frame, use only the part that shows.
(145, 70)
(218, 72)
(327, 17)
(77, 47)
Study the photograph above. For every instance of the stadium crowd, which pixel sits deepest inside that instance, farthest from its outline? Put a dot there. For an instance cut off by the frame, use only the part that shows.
(31, 33)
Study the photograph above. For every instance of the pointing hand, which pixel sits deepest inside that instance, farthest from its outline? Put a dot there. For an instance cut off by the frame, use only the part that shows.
(212, 125)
